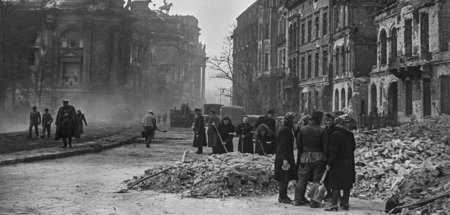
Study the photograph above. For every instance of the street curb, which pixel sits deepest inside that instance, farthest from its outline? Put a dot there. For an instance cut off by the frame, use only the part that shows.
(95, 148)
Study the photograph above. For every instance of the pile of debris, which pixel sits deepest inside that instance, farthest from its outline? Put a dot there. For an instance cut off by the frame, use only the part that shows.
(411, 161)
(232, 174)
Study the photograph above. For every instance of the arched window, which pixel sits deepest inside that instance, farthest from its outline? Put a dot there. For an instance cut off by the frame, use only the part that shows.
(344, 60)
(343, 101)
(381, 94)
(336, 100)
(350, 95)
(383, 46)
(336, 66)
(393, 44)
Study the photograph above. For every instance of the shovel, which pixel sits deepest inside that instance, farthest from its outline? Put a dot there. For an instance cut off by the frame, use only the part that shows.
(318, 190)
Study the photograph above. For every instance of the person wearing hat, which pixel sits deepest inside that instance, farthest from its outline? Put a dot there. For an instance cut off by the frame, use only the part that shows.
(35, 120)
(149, 124)
(340, 162)
(245, 130)
(47, 120)
(311, 143)
(199, 131)
(66, 124)
(269, 120)
(285, 168)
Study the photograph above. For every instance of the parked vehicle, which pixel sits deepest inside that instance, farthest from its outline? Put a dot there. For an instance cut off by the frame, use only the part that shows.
(234, 112)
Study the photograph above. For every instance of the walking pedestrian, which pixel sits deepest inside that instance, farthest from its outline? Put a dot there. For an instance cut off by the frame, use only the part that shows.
(66, 124)
(285, 169)
(212, 123)
(244, 130)
(158, 117)
(47, 120)
(269, 120)
(311, 143)
(341, 162)
(224, 137)
(80, 119)
(199, 131)
(35, 120)
(149, 124)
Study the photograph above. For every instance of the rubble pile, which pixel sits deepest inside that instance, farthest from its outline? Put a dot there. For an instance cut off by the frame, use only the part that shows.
(412, 161)
(232, 174)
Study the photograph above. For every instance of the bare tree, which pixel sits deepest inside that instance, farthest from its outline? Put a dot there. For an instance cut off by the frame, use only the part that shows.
(240, 74)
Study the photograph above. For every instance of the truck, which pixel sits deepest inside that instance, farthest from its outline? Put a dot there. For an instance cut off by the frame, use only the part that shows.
(182, 118)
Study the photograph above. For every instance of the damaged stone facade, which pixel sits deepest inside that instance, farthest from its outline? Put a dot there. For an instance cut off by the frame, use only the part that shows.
(411, 77)
(104, 56)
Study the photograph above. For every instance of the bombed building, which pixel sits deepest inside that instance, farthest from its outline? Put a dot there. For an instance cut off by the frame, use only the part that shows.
(101, 56)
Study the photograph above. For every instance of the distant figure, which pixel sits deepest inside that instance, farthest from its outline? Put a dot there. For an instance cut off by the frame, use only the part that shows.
(212, 123)
(66, 124)
(158, 117)
(81, 119)
(199, 131)
(35, 120)
(149, 124)
(164, 117)
(245, 130)
(47, 120)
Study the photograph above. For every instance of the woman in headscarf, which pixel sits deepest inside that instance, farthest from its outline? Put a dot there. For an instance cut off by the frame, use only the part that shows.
(285, 169)
(340, 162)
(226, 133)
(244, 130)
(264, 137)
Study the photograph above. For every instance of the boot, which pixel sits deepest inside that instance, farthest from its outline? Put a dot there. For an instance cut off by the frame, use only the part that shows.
(301, 202)
(332, 208)
(314, 204)
(285, 200)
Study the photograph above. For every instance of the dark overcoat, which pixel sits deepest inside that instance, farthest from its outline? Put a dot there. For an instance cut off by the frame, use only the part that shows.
(272, 124)
(199, 131)
(245, 144)
(285, 151)
(341, 159)
(70, 111)
(225, 133)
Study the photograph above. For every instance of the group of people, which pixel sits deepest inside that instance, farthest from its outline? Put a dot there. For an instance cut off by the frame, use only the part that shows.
(69, 123)
(321, 150)
(162, 118)
(219, 133)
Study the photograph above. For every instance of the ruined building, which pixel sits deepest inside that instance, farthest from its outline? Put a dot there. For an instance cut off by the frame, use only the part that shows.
(102, 56)
(412, 74)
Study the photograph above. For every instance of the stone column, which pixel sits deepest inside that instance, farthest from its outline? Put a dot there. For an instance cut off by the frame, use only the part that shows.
(115, 57)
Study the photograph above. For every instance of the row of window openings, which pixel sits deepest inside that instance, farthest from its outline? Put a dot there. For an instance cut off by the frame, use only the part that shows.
(293, 66)
(408, 39)
(294, 34)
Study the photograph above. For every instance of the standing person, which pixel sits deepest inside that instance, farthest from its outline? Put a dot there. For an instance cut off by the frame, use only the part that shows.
(269, 120)
(264, 138)
(81, 119)
(212, 123)
(311, 143)
(285, 169)
(164, 117)
(35, 120)
(158, 117)
(149, 124)
(226, 130)
(244, 130)
(199, 131)
(47, 120)
(66, 124)
(341, 162)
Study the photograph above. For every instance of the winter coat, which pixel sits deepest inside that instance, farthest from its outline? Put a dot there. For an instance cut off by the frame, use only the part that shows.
(225, 133)
(341, 159)
(66, 115)
(245, 144)
(199, 131)
(263, 143)
(285, 151)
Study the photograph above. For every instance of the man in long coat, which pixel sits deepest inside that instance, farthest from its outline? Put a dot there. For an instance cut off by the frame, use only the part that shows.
(199, 131)
(285, 169)
(341, 162)
(66, 124)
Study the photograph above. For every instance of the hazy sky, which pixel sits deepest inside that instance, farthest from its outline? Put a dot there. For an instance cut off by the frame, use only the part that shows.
(215, 19)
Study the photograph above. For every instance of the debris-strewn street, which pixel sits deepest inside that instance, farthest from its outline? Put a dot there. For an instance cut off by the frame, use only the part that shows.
(87, 185)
